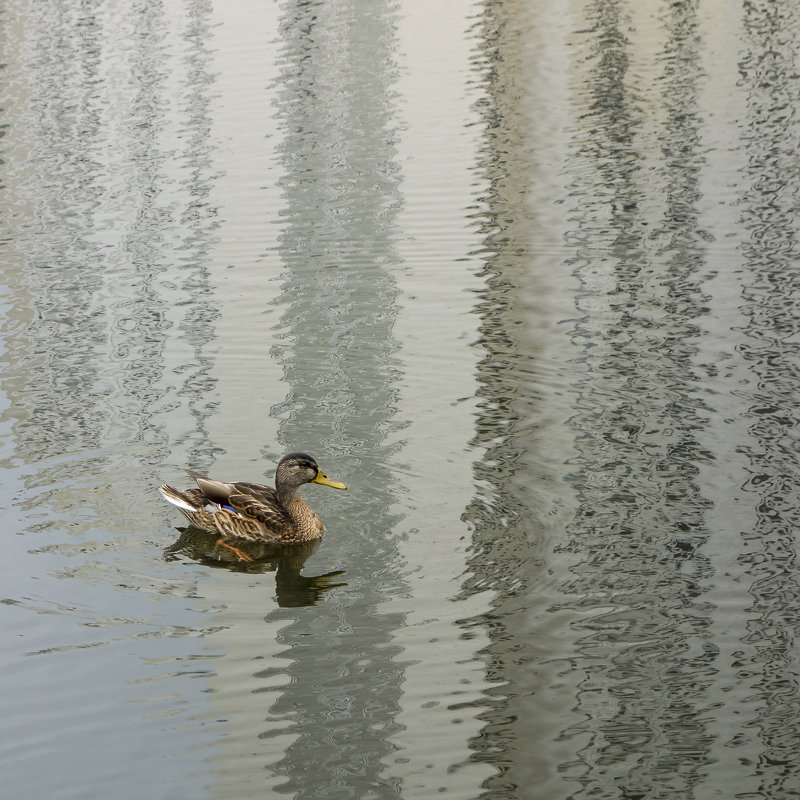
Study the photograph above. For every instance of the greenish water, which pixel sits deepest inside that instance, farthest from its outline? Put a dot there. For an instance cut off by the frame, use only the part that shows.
(524, 276)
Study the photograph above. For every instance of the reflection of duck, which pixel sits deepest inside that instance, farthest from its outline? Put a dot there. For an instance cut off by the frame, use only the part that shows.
(285, 560)
(252, 512)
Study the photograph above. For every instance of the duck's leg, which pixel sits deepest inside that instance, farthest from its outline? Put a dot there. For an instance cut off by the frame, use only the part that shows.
(239, 553)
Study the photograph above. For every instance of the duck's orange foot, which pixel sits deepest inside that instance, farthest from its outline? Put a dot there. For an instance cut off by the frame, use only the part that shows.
(243, 556)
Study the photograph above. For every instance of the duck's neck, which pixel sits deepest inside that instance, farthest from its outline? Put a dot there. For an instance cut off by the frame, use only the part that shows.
(307, 524)
(288, 495)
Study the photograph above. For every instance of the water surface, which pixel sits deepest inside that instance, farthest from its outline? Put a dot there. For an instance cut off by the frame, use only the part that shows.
(523, 276)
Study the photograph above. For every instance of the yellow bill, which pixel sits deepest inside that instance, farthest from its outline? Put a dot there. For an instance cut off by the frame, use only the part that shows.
(326, 481)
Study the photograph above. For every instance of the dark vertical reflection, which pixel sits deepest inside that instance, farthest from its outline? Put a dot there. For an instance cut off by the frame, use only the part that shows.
(337, 351)
(515, 493)
(642, 645)
(640, 573)
(770, 346)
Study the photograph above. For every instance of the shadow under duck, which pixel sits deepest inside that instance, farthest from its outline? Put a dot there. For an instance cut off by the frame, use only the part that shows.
(286, 561)
(253, 512)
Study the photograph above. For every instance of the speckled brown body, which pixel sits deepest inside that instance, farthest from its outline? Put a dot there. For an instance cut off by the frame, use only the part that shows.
(300, 524)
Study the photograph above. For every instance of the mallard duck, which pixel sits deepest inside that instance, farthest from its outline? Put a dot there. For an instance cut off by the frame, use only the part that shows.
(253, 512)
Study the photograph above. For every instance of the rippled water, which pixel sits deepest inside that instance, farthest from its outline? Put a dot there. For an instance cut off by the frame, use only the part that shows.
(524, 276)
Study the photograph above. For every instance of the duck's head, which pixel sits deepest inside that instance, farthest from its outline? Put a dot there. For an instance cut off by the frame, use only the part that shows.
(295, 469)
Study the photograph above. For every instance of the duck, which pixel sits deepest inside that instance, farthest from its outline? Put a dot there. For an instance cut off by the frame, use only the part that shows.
(252, 512)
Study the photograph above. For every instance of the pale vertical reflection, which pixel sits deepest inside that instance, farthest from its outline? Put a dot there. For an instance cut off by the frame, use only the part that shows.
(157, 226)
(441, 680)
(521, 430)
(16, 302)
(99, 274)
(330, 697)
(245, 262)
(243, 271)
(105, 209)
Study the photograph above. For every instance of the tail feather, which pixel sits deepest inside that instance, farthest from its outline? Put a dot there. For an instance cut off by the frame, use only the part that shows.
(177, 498)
